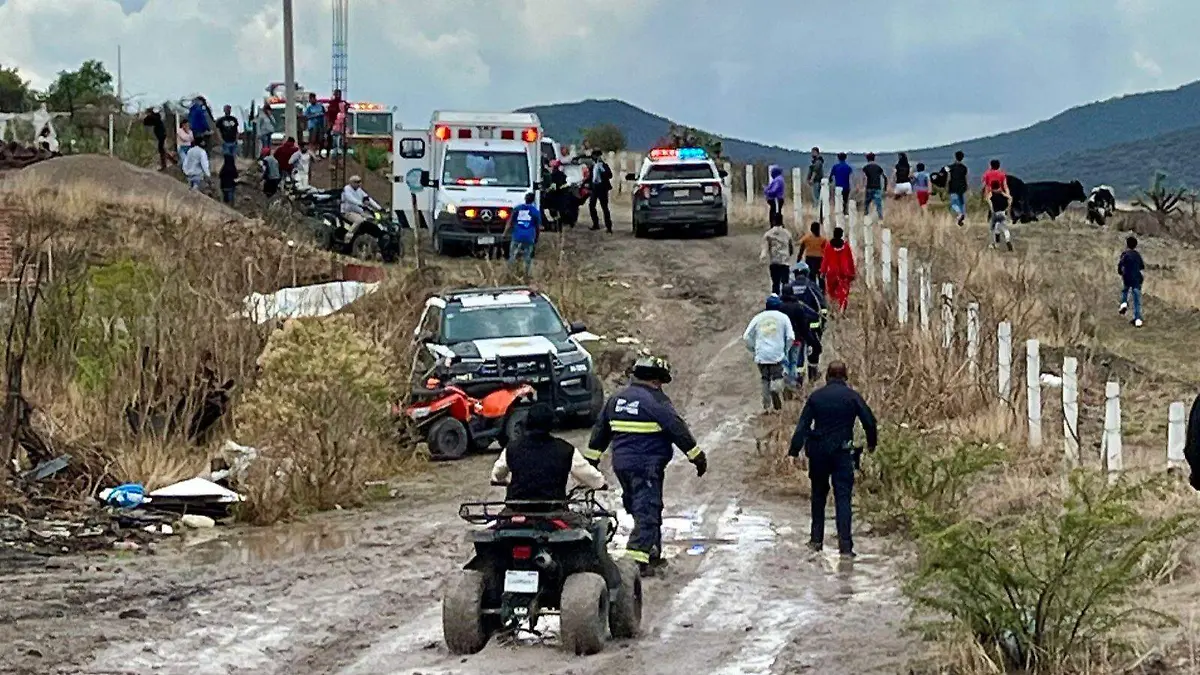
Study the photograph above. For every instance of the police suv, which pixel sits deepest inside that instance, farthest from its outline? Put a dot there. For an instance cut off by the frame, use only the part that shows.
(679, 189)
(509, 331)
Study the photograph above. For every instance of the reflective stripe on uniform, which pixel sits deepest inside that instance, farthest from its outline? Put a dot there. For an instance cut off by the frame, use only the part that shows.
(638, 556)
(694, 452)
(592, 455)
(814, 325)
(629, 427)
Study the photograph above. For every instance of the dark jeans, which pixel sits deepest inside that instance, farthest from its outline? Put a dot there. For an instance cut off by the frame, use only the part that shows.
(602, 197)
(162, 152)
(814, 268)
(270, 186)
(836, 469)
(776, 211)
(780, 276)
(846, 201)
(227, 195)
(642, 497)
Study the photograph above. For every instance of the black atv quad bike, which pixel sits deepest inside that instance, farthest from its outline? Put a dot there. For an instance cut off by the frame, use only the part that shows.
(537, 559)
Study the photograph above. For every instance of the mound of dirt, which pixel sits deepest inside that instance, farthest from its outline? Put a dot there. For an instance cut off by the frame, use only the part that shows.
(375, 183)
(125, 181)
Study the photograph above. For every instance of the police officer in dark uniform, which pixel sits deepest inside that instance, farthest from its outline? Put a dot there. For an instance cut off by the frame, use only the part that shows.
(826, 430)
(641, 424)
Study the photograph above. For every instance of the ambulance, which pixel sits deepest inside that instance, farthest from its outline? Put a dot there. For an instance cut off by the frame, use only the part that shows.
(470, 170)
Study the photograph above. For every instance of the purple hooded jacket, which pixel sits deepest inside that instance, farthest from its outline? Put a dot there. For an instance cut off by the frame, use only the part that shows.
(775, 188)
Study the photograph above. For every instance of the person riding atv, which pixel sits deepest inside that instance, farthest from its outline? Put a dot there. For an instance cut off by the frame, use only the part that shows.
(536, 467)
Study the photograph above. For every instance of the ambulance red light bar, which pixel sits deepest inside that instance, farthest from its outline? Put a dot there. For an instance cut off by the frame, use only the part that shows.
(530, 135)
(441, 132)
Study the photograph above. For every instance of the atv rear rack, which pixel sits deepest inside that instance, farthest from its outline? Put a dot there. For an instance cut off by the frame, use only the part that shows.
(575, 505)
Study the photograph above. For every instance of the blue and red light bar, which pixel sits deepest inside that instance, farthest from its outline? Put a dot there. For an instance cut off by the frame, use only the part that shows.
(678, 153)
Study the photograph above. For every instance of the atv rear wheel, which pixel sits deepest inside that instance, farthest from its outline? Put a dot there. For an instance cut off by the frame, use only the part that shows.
(583, 617)
(448, 439)
(463, 624)
(625, 613)
(514, 426)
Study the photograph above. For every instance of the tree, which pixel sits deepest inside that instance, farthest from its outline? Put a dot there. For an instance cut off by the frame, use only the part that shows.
(605, 138)
(679, 136)
(92, 84)
(15, 94)
(1162, 201)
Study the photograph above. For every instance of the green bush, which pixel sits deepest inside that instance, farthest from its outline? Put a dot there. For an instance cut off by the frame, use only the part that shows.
(374, 157)
(1053, 588)
(913, 478)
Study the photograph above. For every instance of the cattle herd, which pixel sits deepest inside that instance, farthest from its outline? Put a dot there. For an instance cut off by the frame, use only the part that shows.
(1051, 198)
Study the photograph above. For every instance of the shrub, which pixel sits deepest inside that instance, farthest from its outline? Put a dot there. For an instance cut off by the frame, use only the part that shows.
(320, 417)
(912, 478)
(1051, 588)
(375, 158)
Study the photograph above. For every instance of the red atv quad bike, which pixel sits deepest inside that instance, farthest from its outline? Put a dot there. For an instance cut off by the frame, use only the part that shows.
(454, 422)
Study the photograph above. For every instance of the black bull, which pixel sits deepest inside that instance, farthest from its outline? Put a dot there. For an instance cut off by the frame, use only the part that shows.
(1031, 200)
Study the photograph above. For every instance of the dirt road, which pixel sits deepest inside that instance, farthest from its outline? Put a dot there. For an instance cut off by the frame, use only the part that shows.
(359, 593)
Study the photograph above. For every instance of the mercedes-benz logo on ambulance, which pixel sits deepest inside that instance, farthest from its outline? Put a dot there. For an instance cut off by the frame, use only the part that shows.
(486, 216)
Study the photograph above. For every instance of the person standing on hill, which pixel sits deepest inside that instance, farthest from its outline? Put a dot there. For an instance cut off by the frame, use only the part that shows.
(774, 192)
(336, 105)
(601, 178)
(195, 167)
(285, 152)
(314, 116)
(876, 183)
(228, 177)
(301, 165)
(228, 127)
(838, 266)
(956, 186)
(839, 177)
(902, 177)
(921, 186)
(270, 172)
(778, 247)
(154, 121)
(1132, 269)
(183, 139)
(264, 127)
(812, 249)
(816, 172)
(198, 118)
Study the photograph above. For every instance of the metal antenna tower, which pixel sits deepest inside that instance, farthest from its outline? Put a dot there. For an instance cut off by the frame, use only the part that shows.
(341, 68)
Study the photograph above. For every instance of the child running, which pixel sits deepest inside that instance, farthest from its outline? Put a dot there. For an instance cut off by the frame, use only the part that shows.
(920, 184)
(1132, 269)
(1000, 203)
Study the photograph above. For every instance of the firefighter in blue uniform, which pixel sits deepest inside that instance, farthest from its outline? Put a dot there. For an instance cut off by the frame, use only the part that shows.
(641, 424)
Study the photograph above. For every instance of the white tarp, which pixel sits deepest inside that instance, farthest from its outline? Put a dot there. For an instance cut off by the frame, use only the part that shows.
(305, 301)
(198, 487)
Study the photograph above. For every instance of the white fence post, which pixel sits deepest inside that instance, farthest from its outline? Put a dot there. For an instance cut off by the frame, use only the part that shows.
(885, 258)
(1176, 436)
(852, 236)
(823, 207)
(902, 286)
(749, 183)
(1070, 408)
(947, 315)
(112, 137)
(798, 199)
(973, 340)
(868, 263)
(1004, 361)
(925, 296)
(728, 179)
(838, 216)
(1033, 391)
(1113, 452)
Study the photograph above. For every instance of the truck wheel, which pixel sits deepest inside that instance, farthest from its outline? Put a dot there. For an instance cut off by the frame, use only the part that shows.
(583, 617)
(448, 439)
(625, 613)
(463, 625)
(639, 230)
(514, 426)
(722, 229)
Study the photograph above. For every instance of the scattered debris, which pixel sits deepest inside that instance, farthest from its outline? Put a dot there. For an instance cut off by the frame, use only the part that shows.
(667, 287)
(305, 301)
(47, 468)
(197, 522)
(1051, 380)
(626, 340)
(132, 613)
(126, 545)
(127, 496)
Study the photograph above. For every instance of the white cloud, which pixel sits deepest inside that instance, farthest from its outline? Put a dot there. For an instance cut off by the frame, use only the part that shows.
(1147, 64)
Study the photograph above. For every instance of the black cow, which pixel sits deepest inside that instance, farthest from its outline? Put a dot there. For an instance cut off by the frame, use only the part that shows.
(1053, 197)
(1100, 205)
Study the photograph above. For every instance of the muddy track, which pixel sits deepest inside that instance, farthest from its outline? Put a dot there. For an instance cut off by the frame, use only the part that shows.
(360, 594)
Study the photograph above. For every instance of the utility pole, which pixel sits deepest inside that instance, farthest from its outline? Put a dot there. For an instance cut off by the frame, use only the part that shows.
(339, 82)
(289, 72)
(120, 90)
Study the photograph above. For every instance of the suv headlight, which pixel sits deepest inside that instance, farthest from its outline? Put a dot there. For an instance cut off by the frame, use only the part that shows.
(574, 363)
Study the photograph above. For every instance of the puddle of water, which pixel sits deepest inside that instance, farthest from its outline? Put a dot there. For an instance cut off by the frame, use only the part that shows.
(206, 547)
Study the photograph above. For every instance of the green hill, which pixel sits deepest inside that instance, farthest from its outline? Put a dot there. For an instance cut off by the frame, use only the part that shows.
(1120, 142)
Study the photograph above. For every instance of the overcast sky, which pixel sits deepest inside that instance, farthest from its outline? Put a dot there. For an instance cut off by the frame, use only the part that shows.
(855, 74)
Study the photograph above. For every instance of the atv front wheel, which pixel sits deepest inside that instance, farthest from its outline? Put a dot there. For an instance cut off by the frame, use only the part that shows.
(463, 624)
(448, 439)
(583, 617)
(365, 247)
(625, 613)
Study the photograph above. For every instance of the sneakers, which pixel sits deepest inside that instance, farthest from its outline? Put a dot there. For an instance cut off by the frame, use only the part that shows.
(1010, 246)
(815, 546)
(1123, 308)
(1138, 323)
(962, 219)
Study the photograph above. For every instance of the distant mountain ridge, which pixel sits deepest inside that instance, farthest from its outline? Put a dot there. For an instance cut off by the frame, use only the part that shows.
(1119, 142)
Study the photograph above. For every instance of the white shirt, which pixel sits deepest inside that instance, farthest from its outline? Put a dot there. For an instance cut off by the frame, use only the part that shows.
(195, 163)
(353, 200)
(581, 470)
(769, 335)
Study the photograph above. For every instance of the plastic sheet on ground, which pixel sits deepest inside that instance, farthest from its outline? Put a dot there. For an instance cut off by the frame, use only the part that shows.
(305, 301)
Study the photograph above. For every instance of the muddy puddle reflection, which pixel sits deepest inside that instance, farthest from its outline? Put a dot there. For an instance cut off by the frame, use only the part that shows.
(246, 546)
